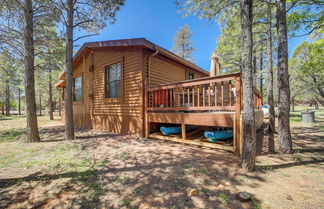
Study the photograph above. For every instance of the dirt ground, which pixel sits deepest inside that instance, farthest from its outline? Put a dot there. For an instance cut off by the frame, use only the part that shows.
(103, 170)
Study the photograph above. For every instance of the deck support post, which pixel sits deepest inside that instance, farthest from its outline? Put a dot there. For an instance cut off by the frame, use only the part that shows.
(238, 106)
(183, 131)
(234, 132)
(147, 127)
(146, 119)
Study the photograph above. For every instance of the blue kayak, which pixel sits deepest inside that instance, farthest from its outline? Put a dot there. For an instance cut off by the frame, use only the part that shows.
(214, 136)
(167, 131)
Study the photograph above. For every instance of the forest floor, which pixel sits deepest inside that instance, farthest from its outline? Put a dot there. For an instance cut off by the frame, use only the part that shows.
(104, 170)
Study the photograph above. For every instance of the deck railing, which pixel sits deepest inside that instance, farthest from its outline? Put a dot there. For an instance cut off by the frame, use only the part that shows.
(203, 94)
(257, 99)
(208, 93)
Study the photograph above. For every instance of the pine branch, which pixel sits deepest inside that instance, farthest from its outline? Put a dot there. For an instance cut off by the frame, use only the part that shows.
(85, 36)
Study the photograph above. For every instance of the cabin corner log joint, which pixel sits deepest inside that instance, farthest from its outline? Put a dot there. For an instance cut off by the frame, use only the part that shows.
(130, 86)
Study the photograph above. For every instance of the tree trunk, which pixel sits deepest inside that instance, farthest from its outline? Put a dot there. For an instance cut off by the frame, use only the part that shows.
(19, 102)
(69, 125)
(40, 102)
(261, 72)
(7, 98)
(284, 136)
(254, 67)
(293, 104)
(50, 97)
(32, 126)
(60, 106)
(271, 126)
(249, 146)
(318, 102)
(2, 109)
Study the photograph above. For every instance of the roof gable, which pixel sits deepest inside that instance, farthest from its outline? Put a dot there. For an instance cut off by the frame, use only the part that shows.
(138, 42)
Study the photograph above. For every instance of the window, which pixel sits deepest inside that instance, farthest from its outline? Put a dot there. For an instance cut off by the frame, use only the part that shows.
(190, 76)
(112, 78)
(77, 89)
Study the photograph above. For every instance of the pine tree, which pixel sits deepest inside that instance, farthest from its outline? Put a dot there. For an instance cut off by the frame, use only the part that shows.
(87, 15)
(284, 135)
(20, 34)
(249, 145)
(182, 45)
(271, 126)
(211, 9)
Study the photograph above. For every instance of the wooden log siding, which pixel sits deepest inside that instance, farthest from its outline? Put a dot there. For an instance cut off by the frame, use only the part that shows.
(164, 70)
(120, 115)
(126, 114)
(193, 99)
(129, 103)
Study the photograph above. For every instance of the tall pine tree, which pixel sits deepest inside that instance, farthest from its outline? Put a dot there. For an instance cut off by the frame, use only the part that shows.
(182, 45)
(89, 16)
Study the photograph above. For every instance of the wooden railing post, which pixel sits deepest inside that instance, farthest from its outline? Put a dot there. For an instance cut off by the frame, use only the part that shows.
(230, 93)
(195, 95)
(238, 106)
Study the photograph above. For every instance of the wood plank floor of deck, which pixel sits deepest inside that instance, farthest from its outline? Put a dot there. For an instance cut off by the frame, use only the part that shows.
(177, 138)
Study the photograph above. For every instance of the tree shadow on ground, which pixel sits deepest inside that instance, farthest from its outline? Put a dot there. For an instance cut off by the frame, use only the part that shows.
(307, 149)
(287, 165)
(145, 173)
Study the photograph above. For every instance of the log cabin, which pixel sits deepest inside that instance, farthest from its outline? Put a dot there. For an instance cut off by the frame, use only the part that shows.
(133, 86)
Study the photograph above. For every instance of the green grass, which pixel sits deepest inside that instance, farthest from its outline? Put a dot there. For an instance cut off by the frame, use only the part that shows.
(126, 202)
(19, 122)
(298, 157)
(223, 198)
(58, 156)
(285, 174)
(295, 116)
(64, 157)
(125, 156)
(11, 134)
(256, 204)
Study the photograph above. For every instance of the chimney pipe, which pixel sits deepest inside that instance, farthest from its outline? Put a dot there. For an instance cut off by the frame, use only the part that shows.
(214, 65)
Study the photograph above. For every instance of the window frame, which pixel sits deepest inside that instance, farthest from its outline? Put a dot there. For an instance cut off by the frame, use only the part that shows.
(115, 99)
(190, 73)
(73, 89)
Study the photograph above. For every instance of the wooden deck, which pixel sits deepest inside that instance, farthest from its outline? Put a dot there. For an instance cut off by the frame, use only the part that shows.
(199, 141)
(222, 119)
(209, 101)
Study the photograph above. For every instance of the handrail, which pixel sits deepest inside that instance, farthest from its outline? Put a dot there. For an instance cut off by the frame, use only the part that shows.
(257, 98)
(197, 81)
(256, 91)
(202, 94)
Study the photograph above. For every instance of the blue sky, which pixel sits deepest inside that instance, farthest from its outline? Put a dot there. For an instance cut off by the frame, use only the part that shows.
(158, 21)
